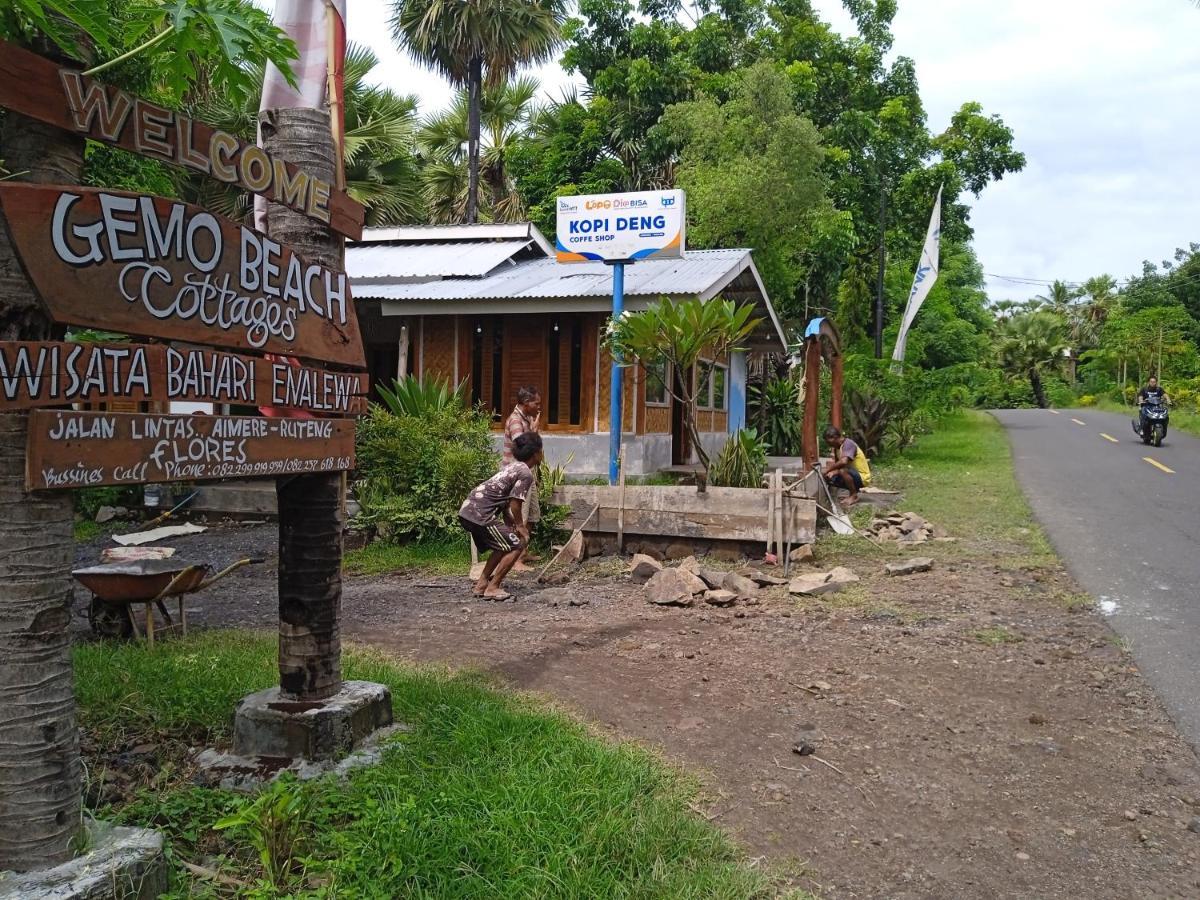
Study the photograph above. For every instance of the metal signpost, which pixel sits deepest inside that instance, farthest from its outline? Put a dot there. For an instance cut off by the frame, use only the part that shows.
(617, 230)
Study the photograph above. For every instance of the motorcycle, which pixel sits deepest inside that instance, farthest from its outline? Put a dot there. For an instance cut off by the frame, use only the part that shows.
(1151, 425)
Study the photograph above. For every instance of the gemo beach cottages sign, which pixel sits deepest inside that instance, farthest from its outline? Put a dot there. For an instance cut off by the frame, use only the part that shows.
(621, 227)
(43, 90)
(205, 309)
(145, 265)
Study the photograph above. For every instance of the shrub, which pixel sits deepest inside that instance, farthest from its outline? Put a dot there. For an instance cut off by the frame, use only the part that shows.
(415, 471)
(1087, 400)
(410, 397)
(775, 408)
(89, 500)
(741, 462)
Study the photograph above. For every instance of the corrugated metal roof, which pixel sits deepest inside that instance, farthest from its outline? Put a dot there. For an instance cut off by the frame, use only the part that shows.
(700, 272)
(465, 259)
(487, 231)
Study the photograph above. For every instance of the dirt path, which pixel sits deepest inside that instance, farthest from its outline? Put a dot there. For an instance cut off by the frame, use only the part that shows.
(975, 735)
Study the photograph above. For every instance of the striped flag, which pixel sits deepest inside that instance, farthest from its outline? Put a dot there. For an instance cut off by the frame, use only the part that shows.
(319, 29)
(923, 281)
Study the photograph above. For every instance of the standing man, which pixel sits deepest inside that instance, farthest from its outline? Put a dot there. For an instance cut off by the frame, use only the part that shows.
(526, 418)
(848, 468)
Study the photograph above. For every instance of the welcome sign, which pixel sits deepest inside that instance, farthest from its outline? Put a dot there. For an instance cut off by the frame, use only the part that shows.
(621, 227)
(156, 267)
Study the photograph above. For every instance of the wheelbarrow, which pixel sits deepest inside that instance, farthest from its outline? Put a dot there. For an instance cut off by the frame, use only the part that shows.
(116, 587)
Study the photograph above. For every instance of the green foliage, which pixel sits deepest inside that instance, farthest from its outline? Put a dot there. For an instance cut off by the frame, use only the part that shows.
(275, 824)
(885, 411)
(775, 409)
(678, 334)
(437, 556)
(409, 396)
(486, 789)
(415, 470)
(89, 500)
(74, 25)
(741, 462)
(1028, 343)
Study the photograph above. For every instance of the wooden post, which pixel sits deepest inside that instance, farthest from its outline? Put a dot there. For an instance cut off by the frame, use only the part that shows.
(836, 377)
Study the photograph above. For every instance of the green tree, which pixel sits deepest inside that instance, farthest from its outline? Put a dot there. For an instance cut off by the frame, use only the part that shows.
(752, 170)
(470, 43)
(506, 112)
(679, 334)
(1030, 342)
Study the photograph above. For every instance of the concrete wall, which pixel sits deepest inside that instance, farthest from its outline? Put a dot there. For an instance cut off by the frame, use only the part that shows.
(645, 454)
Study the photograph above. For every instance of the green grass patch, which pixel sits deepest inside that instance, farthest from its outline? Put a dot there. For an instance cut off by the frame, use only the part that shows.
(961, 478)
(488, 795)
(997, 635)
(88, 530)
(432, 557)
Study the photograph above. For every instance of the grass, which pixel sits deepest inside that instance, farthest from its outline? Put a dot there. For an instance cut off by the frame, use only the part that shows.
(1181, 419)
(88, 530)
(997, 635)
(430, 557)
(961, 478)
(488, 795)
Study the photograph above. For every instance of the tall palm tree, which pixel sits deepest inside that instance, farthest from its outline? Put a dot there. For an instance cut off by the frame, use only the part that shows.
(1030, 342)
(507, 113)
(471, 42)
(1059, 297)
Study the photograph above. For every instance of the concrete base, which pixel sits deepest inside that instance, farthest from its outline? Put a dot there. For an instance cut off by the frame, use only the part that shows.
(119, 864)
(267, 725)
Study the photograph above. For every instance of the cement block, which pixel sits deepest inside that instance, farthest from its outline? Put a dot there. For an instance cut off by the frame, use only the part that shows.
(268, 725)
(119, 864)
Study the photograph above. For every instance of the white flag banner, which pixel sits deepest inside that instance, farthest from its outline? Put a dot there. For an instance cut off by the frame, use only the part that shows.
(923, 281)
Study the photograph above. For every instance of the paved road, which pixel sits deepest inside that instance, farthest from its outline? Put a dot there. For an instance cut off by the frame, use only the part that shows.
(1126, 519)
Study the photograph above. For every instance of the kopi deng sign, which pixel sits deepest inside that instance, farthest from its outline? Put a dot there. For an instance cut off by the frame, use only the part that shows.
(621, 227)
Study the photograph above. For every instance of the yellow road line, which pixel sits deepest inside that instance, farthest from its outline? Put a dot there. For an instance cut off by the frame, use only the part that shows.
(1158, 465)
(1055, 412)
(1109, 437)
(1077, 422)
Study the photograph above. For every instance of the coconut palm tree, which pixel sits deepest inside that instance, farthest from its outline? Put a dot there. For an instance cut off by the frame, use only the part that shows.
(471, 42)
(507, 113)
(1028, 343)
(1059, 298)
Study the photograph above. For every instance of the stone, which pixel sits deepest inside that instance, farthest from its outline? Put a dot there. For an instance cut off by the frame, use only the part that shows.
(125, 863)
(268, 724)
(690, 564)
(739, 584)
(818, 583)
(1194, 825)
(912, 537)
(105, 514)
(910, 566)
(697, 584)
(575, 549)
(642, 568)
(720, 598)
(762, 579)
(556, 578)
(679, 550)
(668, 587)
(714, 578)
(727, 554)
(556, 597)
(803, 553)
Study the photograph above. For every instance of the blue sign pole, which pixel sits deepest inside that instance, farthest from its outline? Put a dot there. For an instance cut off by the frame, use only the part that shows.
(614, 422)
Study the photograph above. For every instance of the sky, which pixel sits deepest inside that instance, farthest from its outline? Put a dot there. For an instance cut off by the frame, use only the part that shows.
(1103, 97)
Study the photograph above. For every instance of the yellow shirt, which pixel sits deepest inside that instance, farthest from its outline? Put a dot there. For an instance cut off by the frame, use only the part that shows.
(859, 462)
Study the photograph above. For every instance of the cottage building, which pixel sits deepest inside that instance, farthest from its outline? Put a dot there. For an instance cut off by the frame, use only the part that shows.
(489, 305)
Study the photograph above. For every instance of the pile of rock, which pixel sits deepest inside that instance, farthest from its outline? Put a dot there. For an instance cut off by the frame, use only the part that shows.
(689, 581)
(905, 528)
(814, 584)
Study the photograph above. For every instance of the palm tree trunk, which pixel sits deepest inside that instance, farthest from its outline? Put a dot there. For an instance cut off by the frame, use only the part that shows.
(1039, 392)
(39, 743)
(311, 508)
(474, 101)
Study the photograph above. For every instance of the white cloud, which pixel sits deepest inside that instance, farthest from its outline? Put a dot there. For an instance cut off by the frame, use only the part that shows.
(1101, 94)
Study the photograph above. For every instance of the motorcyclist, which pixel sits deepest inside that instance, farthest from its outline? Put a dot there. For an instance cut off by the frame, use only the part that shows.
(1152, 394)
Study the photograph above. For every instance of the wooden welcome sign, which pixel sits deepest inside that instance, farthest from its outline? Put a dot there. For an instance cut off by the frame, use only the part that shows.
(156, 268)
(41, 89)
(150, 266)
(39, 374)
(83, 449)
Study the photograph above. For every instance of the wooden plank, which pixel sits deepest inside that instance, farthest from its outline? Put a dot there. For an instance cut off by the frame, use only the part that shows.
(39, 374)
(42, 90)
(84, 449)
(156, 267)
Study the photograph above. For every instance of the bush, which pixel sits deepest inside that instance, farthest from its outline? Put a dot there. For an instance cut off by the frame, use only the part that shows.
(89, 500)
(415, 471)
(1087, 400)
(741, 462)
